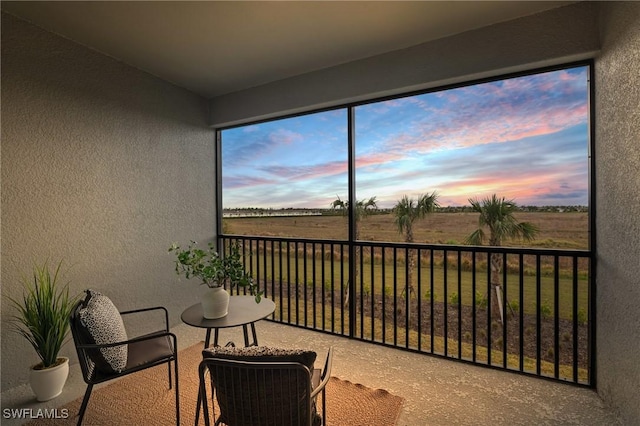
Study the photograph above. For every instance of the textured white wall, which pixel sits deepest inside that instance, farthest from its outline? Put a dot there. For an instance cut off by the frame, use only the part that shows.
(618, 208)
(102, 166)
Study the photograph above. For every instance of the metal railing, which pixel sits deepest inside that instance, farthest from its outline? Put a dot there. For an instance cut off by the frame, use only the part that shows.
(525, 310)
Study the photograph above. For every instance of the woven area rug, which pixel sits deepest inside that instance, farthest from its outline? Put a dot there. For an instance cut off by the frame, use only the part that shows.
(143, 398)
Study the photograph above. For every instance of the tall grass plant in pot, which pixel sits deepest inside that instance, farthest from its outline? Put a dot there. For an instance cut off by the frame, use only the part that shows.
(43, 319)
(215, 271)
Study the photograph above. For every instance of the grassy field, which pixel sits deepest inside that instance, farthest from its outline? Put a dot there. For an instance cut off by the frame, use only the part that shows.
(557, 230)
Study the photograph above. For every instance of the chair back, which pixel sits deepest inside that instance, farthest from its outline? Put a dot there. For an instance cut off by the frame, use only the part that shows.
(260, 393)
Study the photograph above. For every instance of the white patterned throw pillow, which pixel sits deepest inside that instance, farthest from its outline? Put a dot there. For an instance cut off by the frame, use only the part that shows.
(102, 324)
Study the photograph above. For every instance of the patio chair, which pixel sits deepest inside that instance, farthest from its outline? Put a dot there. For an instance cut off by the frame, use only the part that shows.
(261, 386)
(105, 352)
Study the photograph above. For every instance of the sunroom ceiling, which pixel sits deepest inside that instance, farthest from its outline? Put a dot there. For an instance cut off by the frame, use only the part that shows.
(219, 47)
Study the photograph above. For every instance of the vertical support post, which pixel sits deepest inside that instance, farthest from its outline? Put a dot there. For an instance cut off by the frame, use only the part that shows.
(592, 297)
(218, 194)
(352, 218)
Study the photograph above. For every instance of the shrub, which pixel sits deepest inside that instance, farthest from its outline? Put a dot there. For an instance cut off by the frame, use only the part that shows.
(366, 290)
(481, 300)
(388, 291)
(327, 284)
(582, 317)
(545, 310)
(454, 299)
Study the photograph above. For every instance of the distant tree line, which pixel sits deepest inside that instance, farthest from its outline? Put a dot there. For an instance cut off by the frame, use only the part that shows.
(553, 209)
(440, 209)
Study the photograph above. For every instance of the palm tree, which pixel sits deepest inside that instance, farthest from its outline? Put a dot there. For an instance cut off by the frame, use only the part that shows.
(407, 211)
(497, 215)
(363, 208)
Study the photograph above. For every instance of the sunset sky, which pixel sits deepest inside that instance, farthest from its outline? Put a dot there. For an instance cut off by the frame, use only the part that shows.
(524, 138)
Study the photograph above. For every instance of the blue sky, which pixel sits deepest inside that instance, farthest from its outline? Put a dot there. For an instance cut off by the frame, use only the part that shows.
(524, 138)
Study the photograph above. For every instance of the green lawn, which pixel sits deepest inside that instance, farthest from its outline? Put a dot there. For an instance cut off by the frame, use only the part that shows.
(460, 288)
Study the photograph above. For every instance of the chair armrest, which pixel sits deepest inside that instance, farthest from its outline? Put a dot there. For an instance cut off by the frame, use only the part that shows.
(129, 341)
(155, 308)
(326, 374)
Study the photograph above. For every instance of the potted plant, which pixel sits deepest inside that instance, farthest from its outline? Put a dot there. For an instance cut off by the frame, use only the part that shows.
(43, 319)
(214, 271)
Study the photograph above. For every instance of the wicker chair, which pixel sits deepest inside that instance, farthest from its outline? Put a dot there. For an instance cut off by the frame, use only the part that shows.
(142, 352)
(264, 393)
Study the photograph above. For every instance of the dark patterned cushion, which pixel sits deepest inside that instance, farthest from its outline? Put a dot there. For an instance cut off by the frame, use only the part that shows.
(100, 323)
(262, 353)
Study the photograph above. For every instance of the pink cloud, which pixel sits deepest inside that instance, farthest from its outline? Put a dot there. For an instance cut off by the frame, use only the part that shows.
(497, 112)
(525, 188)
(235, 182)
(304, 172)
(285, 136)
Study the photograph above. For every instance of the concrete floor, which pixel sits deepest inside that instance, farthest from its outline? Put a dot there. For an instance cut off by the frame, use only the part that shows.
(435, 391)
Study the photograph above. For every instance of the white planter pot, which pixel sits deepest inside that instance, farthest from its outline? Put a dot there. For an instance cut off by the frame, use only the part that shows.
(215, 302)
(48, 383)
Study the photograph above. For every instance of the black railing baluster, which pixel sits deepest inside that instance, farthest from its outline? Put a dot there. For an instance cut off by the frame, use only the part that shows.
(267, 293)
(489, 308)
(305, 278)
(273, 277)
(372, 287)
(361, 295)
(315, 288)
(342, 289)
(459, 304)
(384, 297)
(333, 289)
(445, 302)
(431, 294)
(521, 310)
(395, 296)
(556, 317)
(575, 317)
(505, 302)
(419, 295)
(474, 303)
(297, 281)
(538, 308)
(407, 296)
(282, 275)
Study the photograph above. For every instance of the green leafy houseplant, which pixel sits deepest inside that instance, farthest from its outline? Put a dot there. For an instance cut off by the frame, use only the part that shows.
(43, 313)
(213, 269)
